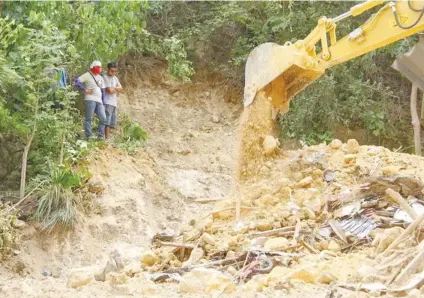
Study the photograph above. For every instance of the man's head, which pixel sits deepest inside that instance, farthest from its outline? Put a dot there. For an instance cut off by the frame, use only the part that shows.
(112, 68)
(96, 67)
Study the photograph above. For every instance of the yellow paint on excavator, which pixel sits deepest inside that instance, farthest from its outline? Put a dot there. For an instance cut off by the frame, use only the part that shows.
(283, 71)
(280, 71)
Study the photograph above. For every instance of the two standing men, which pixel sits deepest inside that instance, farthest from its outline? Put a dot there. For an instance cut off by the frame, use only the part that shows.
(100, 97)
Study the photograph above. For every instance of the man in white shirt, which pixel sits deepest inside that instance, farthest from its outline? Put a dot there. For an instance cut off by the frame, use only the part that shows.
(92, 84)
(113, 88)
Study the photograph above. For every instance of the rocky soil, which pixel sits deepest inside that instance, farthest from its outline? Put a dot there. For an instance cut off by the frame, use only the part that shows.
(210, 209)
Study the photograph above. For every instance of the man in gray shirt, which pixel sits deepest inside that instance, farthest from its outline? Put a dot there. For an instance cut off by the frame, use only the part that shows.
(92, 84)
(113, 88)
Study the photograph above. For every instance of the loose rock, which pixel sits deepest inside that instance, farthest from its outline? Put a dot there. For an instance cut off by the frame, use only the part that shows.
(117, 278)
(305, 182)
(19, 224)
(390, 170)
(231, 270)
(95, 187)
(278, 244)
(256, 284)
(80, 277)
(263, 226)
(326, 278)
(215, 119)
(195, 256)
(349, 158)
(200, 280)
(141, 286)
(303, 275)
(149, 258)
(132, 269)
(278, 274)
(270, 145)
(334, 246)
(209, 239)
(336, 144)
(384, 237)
(352, 146)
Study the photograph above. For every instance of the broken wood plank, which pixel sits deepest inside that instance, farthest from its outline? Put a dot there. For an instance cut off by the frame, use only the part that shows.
(409, 230)
(288, 230)
(221, 262)
(297, 229)
(402, 202)
(338, 230)
(309, 247)
(412, 267)
(204, 201)
(416, 125)
(385, 213)
(174, 244)
(229, 209)
(352, 245)
(416, 281)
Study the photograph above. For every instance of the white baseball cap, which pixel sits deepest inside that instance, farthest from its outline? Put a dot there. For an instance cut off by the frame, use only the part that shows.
(95, 63)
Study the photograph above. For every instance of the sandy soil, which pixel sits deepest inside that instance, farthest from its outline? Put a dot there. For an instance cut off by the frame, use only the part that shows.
(189, 156)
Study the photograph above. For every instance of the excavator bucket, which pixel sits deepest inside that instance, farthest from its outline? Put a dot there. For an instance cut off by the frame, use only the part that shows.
(411, 64)
(280, 71)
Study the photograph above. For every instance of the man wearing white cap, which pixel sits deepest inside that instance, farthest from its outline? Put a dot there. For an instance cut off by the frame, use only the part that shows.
(92, 84)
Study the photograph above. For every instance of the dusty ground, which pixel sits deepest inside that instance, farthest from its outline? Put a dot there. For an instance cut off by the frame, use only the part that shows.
(188, 157)
(191, 155)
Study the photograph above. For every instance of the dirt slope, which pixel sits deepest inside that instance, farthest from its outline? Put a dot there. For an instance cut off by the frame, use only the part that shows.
(188, 157)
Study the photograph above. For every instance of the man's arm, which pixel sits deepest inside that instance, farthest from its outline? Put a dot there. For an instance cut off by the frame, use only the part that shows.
(119, 86)
(103, 88)
(103, 94)
(108, 86)
(79, 83)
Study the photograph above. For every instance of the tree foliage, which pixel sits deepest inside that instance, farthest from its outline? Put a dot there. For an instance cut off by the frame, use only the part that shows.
(361, 95)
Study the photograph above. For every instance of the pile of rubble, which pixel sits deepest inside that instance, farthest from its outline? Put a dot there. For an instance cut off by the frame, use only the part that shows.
(304, 207)
(335, 217)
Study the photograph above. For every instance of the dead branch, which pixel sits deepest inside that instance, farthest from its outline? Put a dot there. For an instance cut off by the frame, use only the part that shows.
(415, 120)
(288, 230)
(412, 267)
(411, 228)
(24, 165)
(221, 262)
(204, 201)
(179, 245)
(402, 202)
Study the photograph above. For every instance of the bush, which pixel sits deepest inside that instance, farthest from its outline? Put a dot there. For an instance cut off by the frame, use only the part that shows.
(57, 205)
(131, 136)
(8, 234)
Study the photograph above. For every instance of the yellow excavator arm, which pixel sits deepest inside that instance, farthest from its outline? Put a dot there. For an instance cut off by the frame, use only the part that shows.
(283, 71)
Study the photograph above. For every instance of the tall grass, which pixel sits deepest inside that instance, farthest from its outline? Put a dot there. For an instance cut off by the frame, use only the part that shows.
(57, 206)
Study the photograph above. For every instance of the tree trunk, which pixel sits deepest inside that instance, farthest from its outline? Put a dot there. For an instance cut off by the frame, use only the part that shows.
(422, 107)
(415, 120)
(24, 165)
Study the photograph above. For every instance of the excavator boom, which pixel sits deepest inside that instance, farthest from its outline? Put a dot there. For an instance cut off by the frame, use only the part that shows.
(284, 71)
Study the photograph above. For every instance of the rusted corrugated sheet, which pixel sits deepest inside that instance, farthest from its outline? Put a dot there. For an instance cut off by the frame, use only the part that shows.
(411, 64)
